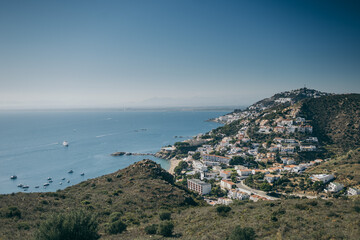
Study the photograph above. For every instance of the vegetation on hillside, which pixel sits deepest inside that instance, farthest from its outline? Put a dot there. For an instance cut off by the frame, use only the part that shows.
(336, 120)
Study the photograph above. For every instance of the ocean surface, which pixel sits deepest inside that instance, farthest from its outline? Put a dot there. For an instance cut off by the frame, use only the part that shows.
(31, 143)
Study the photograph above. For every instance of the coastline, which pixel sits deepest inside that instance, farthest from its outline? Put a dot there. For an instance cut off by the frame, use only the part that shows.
(173, 163)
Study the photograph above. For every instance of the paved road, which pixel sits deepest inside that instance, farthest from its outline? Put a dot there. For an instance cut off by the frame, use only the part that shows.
(242, 185)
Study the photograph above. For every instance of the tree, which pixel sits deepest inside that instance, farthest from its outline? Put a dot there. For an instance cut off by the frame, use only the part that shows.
(223, 210)
(116, 227)
(265, 186)
(166, 229)
(165, 216)
(151, 229)
(196, 156)
(71, 226)
(234, 176)
(237, 160)
(242, 234)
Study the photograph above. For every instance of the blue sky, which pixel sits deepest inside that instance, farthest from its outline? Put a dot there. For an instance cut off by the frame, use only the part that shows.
(70, 54)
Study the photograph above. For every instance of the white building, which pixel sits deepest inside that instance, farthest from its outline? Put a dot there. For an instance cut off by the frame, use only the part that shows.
(271, 178)
(199, 186)
(225, 184)
(238, 194)
(325, 178)
(224, 201)
(215, 158)
(353, 191)
(225, 174)
(244, 172)
(334, 187)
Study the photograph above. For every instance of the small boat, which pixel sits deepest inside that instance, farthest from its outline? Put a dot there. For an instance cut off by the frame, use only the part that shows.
(63, 179)
(26, 186)
(71, 171)
(46, 184)
(49, 178)
(50, 181)
(68, 181)
(37, 186)
(20, 185)
(13, 177)
(82, 174)
(60, 183)
(65, 144)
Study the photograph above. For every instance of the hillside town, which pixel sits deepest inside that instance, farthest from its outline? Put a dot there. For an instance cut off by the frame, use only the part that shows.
(261, 153)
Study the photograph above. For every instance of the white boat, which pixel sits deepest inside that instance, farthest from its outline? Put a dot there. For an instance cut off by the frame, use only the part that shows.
(20, 185)
(13, 177)
(46, 184)
(49, 178)
(60, 183)
(82, 174)
(71, 171)
(65, 144)
(26, 186)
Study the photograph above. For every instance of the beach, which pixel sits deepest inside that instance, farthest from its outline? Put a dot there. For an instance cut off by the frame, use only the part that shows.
(173, 163)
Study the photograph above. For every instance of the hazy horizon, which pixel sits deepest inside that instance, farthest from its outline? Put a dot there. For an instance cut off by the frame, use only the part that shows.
(151, 54)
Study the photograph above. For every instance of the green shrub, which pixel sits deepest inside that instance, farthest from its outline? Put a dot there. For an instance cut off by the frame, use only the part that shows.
(109, 179)
(242, 234)
(115, 216)
(151, 229)
(166, 229)
(116, 227)
(312, 203)
(72, 226)
(300, 206)
(223, 210)
(165, 216)
(13, 212)
(23, 225)
(357, 209)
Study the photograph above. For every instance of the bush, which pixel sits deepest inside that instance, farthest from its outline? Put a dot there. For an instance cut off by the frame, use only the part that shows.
(13, 212)
(223, 210)
(242, 234)
(23, 225)
(116, 227)
(165, 216)
(300, 206)
(166, 229)
(115, 216)
(72, 226)
(357, 209)
(312, 203)
(151, 229)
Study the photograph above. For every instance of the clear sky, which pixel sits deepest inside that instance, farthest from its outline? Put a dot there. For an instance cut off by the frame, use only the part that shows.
(64, 54)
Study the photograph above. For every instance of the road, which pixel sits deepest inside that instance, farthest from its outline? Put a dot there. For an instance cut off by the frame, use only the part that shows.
(241, 185)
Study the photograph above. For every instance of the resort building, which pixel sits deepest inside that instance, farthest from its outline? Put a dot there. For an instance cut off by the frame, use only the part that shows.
(199, 186)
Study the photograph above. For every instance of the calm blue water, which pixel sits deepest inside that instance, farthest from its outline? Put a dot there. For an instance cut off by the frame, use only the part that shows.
(31, 143)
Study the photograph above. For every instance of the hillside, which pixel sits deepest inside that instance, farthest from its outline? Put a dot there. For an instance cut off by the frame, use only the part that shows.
(140, 192)
(336, 120)
(136, 192)
(287, 98)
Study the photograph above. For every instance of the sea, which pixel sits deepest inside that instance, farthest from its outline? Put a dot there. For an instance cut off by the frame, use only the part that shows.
(31, 143)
